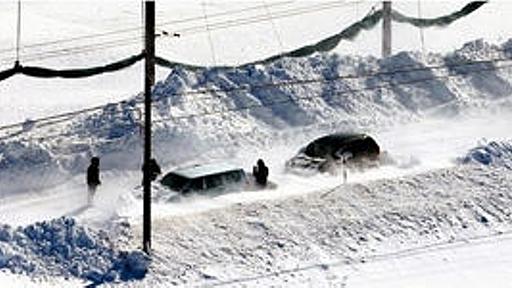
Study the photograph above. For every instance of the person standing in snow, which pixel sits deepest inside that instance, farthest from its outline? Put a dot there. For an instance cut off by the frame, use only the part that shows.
(345, 170)
(344, 158)
(154, 170)
(93, 177)
(260, 172)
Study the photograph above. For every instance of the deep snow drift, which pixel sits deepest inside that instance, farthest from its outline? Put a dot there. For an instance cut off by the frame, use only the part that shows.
(492, 153)
(63, 248)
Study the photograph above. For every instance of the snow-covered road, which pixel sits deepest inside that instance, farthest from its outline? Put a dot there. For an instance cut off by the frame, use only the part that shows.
(417, 147)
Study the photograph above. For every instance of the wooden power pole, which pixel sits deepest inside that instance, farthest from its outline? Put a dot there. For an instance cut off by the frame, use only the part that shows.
(149, 80)
(386, 28)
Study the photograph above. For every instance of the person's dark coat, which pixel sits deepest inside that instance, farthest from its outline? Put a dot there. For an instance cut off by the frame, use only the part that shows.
(260, 172)
(93, 172)
(154, 169)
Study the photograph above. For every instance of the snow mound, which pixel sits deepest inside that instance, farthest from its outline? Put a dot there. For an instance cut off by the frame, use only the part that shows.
(492, 153)
(61, 247)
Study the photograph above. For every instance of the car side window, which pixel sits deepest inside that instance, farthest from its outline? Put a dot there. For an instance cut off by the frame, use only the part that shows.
(213, 181)
(195, 185)
(233, 177)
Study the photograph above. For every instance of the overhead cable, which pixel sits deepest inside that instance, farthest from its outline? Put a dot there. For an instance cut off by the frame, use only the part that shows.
(41, 72)
(366, 23)
(138, 29)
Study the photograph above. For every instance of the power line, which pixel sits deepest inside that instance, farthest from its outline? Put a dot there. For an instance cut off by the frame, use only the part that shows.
(225, 13)
(55, 118)
(422, 36)
(76, 50)
(265, 17)
(239, 22)
(193, 30)
(346, 76)
(210, 40)
(274, 28)
(18, 33)
(286, 101)
(140, 28)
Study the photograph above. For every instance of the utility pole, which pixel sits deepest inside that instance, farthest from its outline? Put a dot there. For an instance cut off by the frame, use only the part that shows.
(18, 34)
(149, 80)
(386, 28)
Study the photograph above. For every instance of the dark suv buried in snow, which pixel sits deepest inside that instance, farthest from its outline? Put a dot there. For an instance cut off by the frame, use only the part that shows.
(324, 153)
(202, 178)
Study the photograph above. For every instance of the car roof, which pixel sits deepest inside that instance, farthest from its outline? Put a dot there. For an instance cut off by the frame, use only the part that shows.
(341, 137)
(205, 170)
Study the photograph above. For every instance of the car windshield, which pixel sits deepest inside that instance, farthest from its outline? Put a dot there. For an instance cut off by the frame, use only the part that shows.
(174, 181)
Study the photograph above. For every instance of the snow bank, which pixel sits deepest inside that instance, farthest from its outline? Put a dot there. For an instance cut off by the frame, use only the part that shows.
(61, 247)
(492, 153)
(343, 105)
(271, 242)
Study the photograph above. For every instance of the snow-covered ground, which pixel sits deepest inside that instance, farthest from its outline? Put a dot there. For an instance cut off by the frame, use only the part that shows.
(469, 263)
(324, 237)
(439, 216)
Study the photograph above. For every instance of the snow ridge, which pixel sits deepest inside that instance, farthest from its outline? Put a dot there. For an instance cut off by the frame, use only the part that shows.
(491, 153)
(61, 247)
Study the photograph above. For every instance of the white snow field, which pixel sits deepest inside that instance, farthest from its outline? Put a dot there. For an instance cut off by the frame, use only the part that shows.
(439, 216)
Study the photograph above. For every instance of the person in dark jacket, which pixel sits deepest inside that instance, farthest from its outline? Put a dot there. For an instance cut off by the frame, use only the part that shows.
(154, 170)
(93, 177)
(260, 172)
